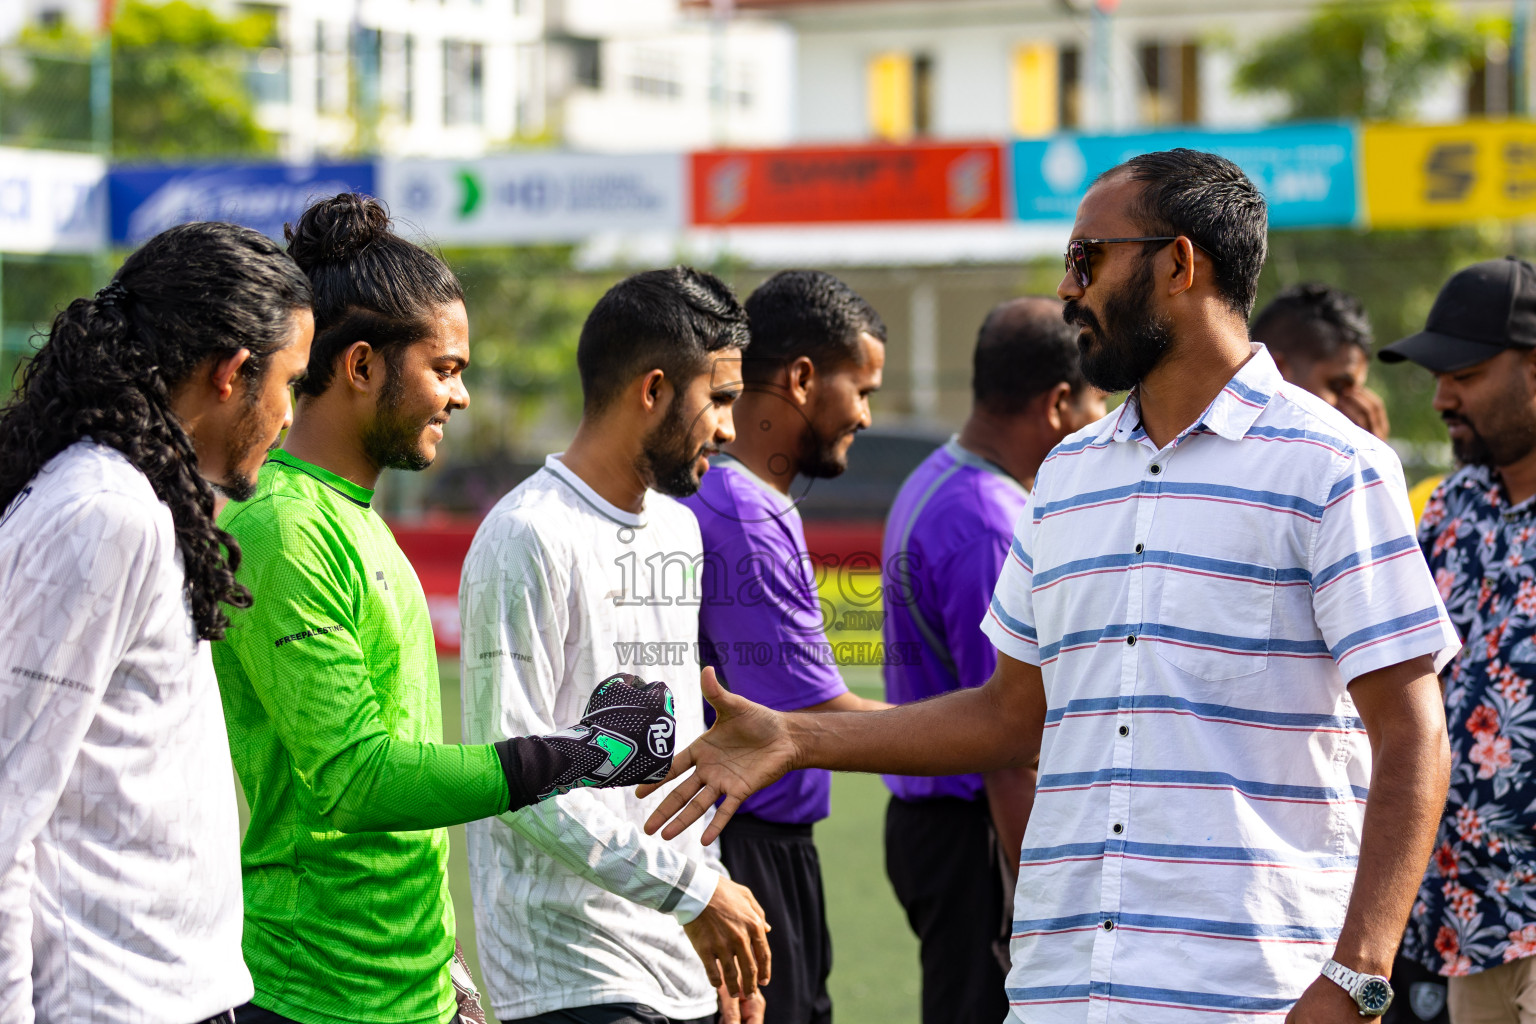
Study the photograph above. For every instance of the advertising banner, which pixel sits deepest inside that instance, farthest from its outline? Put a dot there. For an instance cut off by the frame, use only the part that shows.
(534, 197)
(1432, 175)
(1306, 172)
(146, 201)
(52, 202)
(848, 184)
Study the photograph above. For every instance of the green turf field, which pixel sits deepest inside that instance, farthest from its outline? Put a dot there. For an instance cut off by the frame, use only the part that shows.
(875, 971)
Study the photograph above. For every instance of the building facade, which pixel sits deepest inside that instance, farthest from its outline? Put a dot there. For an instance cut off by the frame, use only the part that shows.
(964, 69)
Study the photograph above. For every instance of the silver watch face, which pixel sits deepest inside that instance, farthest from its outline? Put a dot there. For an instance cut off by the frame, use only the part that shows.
(1374, 997)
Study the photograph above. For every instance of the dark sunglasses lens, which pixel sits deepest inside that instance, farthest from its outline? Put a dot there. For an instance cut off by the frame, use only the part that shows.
(1077, 263)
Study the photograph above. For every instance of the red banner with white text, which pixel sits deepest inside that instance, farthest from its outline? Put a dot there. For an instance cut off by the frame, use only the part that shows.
(831, 184)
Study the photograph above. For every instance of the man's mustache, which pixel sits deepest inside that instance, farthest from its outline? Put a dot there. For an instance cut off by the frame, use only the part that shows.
(1073, 313)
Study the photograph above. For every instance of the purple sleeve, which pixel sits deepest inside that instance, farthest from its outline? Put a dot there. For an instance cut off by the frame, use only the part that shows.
(970, 576)
(763, 619)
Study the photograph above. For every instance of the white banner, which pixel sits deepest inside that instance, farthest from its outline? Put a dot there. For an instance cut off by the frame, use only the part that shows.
(52, 202)
(534, 197)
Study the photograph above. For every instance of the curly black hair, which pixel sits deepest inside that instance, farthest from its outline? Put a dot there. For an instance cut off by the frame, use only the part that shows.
(111, 364)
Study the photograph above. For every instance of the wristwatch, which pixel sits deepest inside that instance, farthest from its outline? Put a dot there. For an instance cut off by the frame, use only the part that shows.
(1371, 992)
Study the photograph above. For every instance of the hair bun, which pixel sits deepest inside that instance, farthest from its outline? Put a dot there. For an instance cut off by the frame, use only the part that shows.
(336, 229)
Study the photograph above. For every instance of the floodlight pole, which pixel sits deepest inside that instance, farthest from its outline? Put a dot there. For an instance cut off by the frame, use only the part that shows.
(101, 113)
(1103, 112)
(1520, 56)
(719, 92)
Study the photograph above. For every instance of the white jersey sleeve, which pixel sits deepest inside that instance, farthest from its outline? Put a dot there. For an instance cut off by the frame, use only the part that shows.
(71, 600)
(520, 678)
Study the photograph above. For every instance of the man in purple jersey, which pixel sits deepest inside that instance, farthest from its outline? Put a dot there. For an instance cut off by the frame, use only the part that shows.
(816, 355)
(949, 839)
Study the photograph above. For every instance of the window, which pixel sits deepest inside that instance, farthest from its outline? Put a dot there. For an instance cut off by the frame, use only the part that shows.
(655, 73)
(267, 72)
(899, 95)
(587, 63)
(1069, 92)
(397, 53)
(463, 83)
(922, 94)
(331, 70)
(888, 86)
(1170, 83)
(408, 106)
(530, 92)
(1036, 82)
(744, 86)
(1491, 87)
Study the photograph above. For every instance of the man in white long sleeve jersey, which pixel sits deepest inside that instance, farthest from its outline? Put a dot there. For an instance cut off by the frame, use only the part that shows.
(119, 845)
(589, 568)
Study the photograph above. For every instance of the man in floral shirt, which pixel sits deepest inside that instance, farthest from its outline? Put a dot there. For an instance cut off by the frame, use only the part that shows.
(1475, 919)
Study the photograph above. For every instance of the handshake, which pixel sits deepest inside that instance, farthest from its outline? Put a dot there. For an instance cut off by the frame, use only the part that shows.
(625, 738)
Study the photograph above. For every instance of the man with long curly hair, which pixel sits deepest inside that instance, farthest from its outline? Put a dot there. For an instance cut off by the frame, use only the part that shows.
(119, 867)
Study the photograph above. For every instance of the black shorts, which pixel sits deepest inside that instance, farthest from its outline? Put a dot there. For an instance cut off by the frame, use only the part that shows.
(780, 865)
(250, 1013)
(943, 861)
(1418, 995)
(609, 1013)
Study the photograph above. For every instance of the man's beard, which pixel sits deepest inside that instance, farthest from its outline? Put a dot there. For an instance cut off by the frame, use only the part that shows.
(820, 458)
(239, 446)
(1118, 354)
(392, 440)
(1506, 446)
(668, 453)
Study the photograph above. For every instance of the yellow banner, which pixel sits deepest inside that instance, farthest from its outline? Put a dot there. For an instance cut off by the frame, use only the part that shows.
(1434, 175)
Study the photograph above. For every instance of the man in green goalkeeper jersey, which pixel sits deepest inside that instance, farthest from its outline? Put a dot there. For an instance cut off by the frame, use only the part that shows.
(329, 680)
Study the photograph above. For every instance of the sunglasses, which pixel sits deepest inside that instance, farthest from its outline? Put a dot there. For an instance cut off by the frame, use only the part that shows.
(1076, 256)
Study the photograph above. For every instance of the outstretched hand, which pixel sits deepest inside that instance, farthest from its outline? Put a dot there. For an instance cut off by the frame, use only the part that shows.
(748, 747)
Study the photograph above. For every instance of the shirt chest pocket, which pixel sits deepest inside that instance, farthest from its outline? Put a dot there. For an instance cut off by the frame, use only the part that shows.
(1209, 618)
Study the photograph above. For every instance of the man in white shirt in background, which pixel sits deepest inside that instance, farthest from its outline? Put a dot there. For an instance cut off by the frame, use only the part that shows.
(589, 568)
(119, 842)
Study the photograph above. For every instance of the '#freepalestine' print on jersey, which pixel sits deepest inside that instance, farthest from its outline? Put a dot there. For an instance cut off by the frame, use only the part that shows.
(119, 861)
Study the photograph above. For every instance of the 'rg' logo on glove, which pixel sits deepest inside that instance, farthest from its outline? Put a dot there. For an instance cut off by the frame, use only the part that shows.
(660, 738)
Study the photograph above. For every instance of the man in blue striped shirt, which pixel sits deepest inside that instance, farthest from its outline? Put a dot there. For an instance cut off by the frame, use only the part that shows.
(1216, 633)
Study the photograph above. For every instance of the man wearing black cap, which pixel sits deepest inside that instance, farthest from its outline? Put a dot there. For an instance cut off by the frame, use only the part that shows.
(1475, 918)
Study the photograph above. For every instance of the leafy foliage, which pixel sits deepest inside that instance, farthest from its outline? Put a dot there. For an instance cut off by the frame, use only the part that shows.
(1368, 59)
(178, 83)
(526, 306)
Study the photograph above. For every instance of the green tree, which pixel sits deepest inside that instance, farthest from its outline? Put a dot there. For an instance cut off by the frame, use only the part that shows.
(526, 305)
(1367, 59)
(178, 83)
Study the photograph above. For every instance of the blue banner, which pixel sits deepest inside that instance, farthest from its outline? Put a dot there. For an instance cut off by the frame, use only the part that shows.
(146, 201)
(1306, 172)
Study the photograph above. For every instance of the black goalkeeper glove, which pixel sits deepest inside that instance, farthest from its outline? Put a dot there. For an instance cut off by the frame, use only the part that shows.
(624, 739)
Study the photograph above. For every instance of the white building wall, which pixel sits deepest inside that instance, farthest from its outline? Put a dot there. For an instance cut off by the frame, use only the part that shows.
(970, 89)
(658, 90)
(829, 103)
